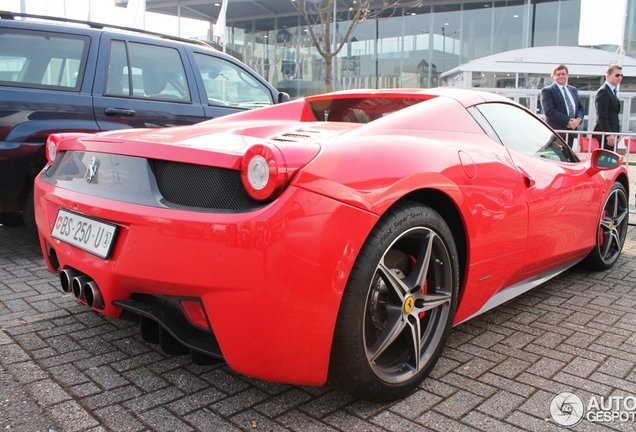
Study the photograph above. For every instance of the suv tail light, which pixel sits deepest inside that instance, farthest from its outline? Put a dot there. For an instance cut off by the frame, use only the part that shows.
(263, 172)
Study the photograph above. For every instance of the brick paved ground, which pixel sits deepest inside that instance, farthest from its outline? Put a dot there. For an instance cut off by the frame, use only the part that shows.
(64, 368)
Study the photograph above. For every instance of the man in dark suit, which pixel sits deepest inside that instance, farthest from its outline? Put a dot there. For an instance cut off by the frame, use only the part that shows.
(561, 104)
(608, 107)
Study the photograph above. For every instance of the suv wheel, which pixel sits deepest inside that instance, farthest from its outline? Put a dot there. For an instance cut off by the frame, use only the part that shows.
(28, 213)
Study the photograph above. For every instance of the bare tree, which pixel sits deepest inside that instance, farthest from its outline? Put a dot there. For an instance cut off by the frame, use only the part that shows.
(319, 17)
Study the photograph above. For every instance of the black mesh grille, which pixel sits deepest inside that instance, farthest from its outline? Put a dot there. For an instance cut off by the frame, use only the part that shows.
(200, 187)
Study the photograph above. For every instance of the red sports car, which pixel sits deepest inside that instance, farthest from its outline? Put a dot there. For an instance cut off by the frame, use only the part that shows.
(333, 238)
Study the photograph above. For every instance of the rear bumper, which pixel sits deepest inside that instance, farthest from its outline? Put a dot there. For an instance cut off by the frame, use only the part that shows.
(270, 280)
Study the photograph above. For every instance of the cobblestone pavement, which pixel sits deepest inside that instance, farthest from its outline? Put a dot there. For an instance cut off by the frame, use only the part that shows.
(64, 368)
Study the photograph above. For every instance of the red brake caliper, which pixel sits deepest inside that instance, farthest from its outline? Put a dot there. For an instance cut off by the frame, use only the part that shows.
(424, 285)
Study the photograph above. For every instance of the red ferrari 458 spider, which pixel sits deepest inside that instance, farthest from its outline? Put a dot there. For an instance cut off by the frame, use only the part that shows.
(333, 238)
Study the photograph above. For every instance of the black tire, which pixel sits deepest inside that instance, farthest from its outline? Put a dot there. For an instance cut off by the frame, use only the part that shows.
(400, 299)
(612, 230)
(28, 213)
(11, 219)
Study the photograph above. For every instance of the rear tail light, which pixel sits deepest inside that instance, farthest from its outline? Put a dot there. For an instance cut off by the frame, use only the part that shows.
(54, 140)
(263, 172)
(51, 146)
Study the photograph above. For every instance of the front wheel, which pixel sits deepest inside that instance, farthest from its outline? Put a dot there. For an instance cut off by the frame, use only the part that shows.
(612, 230)
(398, 306)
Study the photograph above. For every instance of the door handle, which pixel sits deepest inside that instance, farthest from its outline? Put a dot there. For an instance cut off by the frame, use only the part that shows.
(126, 112)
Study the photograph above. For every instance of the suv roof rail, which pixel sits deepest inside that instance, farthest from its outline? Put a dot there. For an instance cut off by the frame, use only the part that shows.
(101, 26)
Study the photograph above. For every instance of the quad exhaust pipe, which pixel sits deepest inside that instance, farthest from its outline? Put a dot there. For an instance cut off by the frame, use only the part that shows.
(77, 286)
(93, 295)
(83, 287)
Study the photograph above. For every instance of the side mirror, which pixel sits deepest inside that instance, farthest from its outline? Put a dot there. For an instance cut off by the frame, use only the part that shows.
(605, 160)
(283, 97)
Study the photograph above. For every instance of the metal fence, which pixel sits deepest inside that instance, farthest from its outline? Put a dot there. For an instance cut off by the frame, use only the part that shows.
(586, 141)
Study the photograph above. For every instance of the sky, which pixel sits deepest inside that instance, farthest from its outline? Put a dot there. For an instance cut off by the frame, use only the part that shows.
(602, 22)
(105, 11)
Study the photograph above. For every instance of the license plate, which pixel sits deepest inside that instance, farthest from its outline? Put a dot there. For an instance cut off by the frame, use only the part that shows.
(89, 234)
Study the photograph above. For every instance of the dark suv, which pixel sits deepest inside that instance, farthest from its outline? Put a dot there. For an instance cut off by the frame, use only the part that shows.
(72, 76)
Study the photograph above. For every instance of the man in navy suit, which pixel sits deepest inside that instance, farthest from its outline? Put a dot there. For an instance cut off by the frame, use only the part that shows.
(561, 104)
(608, 107)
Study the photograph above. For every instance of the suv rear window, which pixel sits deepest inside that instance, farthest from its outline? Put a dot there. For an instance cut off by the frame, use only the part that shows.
(42, 59)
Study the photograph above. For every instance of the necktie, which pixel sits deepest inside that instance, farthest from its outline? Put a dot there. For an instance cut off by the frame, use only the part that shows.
(568, 102)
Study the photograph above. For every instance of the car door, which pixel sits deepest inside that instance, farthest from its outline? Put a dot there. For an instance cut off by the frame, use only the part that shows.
(142, 83)
(563, 197)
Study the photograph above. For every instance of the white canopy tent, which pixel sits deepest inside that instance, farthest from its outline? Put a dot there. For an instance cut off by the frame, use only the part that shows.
(540, 61)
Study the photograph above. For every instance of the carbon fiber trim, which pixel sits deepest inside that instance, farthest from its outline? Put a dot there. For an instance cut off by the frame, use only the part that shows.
(166, 312)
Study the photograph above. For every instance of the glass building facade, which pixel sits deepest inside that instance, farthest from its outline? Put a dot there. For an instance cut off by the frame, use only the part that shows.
(414, 47)
(410, 47)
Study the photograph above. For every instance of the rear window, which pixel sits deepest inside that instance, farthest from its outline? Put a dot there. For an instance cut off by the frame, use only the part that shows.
(42, 59)
(358, 110)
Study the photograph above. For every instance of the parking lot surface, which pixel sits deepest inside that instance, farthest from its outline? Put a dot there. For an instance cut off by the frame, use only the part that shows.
(64, 368)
